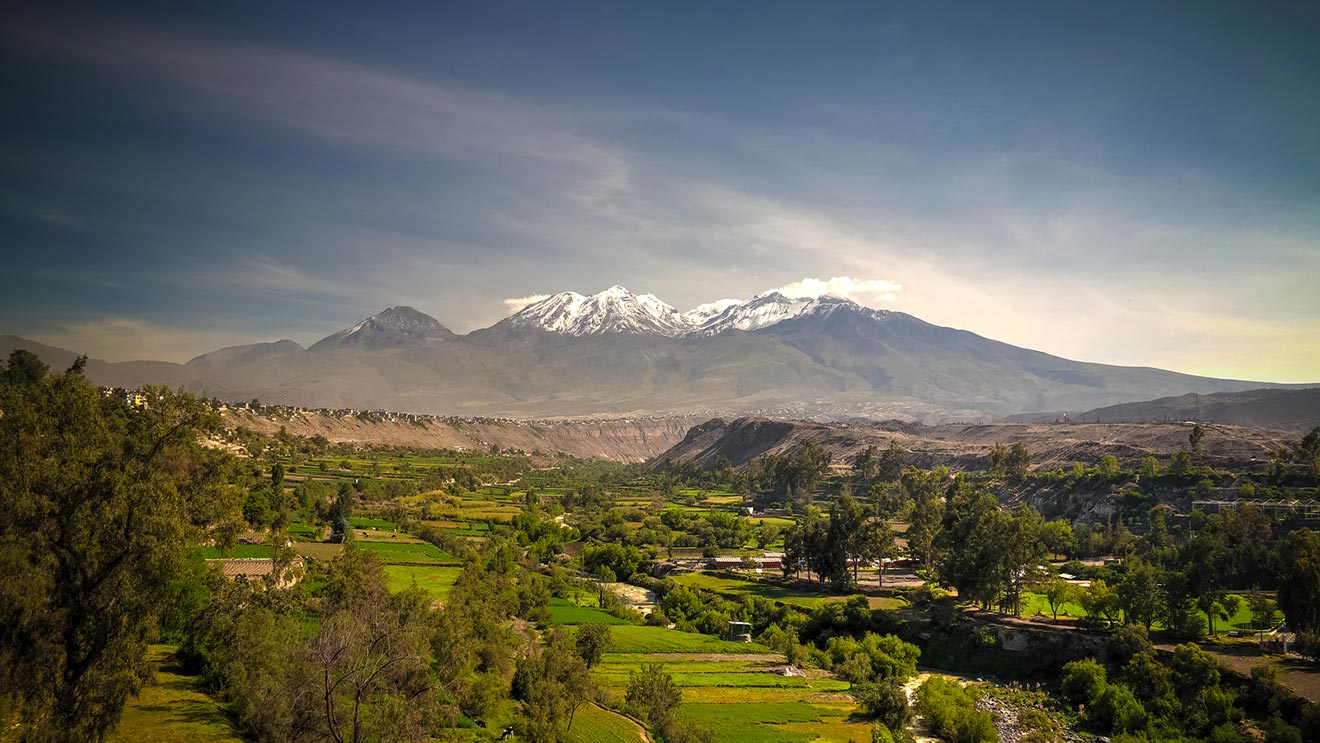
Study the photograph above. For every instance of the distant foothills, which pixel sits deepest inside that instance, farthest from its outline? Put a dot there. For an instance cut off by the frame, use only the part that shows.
(619, 354)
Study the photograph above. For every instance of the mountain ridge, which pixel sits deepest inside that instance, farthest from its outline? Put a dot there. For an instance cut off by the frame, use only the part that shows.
(620, 354)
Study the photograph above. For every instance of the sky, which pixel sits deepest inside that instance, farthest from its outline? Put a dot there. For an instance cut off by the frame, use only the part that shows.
(1127, 183)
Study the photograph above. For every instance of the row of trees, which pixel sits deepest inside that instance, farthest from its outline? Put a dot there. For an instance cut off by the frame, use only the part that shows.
(832, 549)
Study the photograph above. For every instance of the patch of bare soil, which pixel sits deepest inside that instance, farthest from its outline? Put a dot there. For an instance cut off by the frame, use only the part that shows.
(634, 597)
(1302, 677)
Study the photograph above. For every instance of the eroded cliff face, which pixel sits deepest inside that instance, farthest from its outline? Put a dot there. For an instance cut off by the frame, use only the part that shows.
(961, 447)
(624, 440)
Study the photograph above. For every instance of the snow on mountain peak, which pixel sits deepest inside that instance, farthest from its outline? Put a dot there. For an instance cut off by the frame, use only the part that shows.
(703, 313)
(761, 311)
(618, 310)
(614, 310)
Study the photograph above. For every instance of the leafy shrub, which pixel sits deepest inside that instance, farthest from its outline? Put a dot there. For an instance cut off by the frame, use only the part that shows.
(1117, 709)
(1083, 681)
(886, 701)
(951, 713)
(1308, 646)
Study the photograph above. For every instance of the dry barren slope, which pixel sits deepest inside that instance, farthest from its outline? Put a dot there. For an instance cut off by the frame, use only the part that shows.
(966, 446)
(619, 440)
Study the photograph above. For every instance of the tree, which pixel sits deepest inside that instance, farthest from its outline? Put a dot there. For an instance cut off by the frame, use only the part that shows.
(1019, 460)
(1119, 710)
(865, 463)
(974, 536)
(1308, 451)
(1108, 465)
(1150, 467)
(1057, 536)
(1083, 681)
(1263, 609)
(256, 509)
(949, 709)
(592, 640)
(1100, 601)
(369, 661)
(997, 461)
(1022, 554)
(886, 701)
(98, 501)
(1058, 593)
(1139, 592)
(552, 684)
(24, 370)
(927, 514)
(652, 694)
(1195, 438)
(891, 463)
(1299, 580)
(1180, 464)
(848, 532)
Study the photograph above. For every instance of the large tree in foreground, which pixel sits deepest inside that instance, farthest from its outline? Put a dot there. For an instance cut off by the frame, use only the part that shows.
(98, 500)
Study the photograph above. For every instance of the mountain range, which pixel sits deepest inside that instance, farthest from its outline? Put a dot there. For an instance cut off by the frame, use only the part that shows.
(617, 354)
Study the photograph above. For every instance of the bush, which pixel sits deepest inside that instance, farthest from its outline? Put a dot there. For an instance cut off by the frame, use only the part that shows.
(1308, 646)
(1278, 731)
(1119, 710)
(886, 701)
(949, 709)
(651, 694)
(1083, 681)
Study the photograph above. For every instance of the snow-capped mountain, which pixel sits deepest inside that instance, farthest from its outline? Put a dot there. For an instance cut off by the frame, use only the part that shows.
(389, 327)
(615, 310)
(760, 311)
(704, 313)
(616, 353)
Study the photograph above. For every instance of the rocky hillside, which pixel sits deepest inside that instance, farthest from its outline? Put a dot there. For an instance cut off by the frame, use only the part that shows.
(966, 446)
(618, 440)
(1297, 411)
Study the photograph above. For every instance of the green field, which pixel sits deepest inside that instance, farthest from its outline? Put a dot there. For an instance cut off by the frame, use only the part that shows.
(366, 523)
(563, 611)
(1033, 602)
(592, 724)
(406, 552)
(755, 722)
(173, 708)
(628, 638)
(437, 580)
(738, 587)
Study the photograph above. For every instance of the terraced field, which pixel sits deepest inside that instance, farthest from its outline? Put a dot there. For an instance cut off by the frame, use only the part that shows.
(741, 696)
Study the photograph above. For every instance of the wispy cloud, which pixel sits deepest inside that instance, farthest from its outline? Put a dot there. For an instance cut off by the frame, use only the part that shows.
(514, 304)
(429, 189)
(861, 290)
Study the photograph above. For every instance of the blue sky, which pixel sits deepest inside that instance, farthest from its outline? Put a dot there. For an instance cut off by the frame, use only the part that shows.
(1110, 182)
